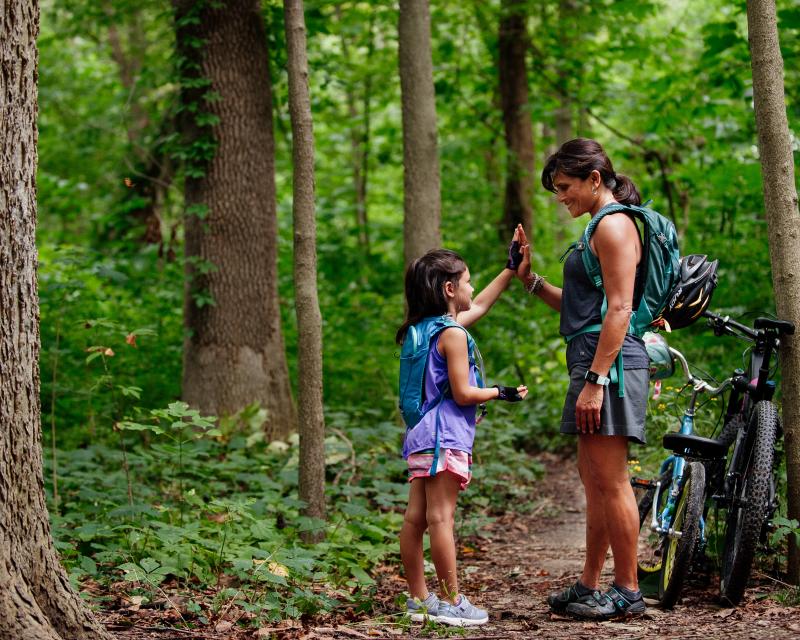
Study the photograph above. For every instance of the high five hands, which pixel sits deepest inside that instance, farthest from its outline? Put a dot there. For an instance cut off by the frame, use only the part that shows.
(519, 254)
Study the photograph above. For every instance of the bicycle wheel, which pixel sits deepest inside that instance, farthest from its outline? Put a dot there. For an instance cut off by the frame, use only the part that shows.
(679, 551)
(750, 503)
(731, 428)
(650, 547)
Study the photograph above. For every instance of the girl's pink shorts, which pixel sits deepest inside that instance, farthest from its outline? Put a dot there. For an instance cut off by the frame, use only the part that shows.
(459, 463)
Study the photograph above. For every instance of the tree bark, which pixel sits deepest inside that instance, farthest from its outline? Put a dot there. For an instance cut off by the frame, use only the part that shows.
(513, 44)
(309, 320)
(234, 351)
(783, 222)
(421, 195)
(36, 599)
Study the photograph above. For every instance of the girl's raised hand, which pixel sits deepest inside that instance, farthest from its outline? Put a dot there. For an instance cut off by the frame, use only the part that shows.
(514, 253)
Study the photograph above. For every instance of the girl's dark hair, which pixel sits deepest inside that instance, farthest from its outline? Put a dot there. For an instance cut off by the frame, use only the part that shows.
(578, 158)
(425, 280)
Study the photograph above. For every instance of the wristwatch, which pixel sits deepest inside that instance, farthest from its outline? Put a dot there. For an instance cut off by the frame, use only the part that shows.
(596, 378)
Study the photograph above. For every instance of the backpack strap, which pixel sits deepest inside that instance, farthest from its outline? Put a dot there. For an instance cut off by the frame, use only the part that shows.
(442, 323)
(617, 371)
(592, 266)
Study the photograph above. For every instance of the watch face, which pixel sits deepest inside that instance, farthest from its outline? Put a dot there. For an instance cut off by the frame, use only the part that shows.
(596, 378)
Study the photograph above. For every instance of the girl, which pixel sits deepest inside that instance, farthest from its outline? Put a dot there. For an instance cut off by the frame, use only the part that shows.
(436, 284)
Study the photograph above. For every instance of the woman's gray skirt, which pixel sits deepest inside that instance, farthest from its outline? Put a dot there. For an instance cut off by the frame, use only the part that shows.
(618, 416)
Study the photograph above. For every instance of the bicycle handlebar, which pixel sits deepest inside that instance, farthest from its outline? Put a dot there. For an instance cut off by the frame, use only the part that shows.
(698, 384)
(724, 324)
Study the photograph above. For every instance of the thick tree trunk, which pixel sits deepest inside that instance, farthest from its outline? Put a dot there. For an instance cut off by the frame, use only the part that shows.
(309, 320)
(513, 44)
(421, 196)
(783, 221)
(234, 352)
(36, 599)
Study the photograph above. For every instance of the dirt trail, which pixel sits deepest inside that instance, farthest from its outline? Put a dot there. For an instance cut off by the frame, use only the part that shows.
(530, 555)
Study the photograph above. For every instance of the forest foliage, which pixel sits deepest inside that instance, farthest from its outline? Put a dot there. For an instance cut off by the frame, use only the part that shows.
(141, 488)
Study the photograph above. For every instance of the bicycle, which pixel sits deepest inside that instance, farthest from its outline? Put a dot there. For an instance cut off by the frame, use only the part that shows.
(748, 489)
(745, 487)
(671, 507)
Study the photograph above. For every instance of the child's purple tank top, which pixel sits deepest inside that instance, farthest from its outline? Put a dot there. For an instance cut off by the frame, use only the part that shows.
(456, 424)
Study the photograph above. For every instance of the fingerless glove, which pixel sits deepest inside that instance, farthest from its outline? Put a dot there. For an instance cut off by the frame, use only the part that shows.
(514, 256)
(509, 394)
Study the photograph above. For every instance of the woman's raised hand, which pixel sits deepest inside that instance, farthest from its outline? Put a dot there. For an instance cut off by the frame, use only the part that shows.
(524, 268)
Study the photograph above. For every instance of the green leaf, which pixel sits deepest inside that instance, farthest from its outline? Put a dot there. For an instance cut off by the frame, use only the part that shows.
(149, 565)
(88, 565)
(361, 575)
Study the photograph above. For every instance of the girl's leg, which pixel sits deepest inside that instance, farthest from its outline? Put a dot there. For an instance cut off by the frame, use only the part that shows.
(441, 493)
(607, 465)
(596, 531)
(414, 525)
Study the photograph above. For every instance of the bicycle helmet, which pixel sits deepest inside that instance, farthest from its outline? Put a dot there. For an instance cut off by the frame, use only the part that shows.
(692, 293)
(662, 364)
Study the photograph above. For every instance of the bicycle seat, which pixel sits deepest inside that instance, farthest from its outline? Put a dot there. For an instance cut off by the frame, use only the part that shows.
(782, 326)
(695, 446)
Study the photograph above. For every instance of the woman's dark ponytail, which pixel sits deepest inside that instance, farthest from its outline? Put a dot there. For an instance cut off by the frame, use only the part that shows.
(625, 192)
(578, 158)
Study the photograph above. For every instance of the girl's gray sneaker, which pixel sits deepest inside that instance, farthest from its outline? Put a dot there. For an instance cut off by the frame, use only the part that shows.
(419, 610)
(463, 614)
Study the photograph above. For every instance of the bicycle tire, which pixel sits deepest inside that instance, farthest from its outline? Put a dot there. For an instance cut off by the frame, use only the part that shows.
(745, 517)
(731, 428)
(650, 545)
(679, 552)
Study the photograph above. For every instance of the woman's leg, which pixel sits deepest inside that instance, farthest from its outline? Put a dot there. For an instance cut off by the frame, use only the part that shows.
(414, 525)
(607, 466)
(441, 493)
(596, 532)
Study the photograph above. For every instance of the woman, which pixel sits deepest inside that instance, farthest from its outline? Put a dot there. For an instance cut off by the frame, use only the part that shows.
(583, 179)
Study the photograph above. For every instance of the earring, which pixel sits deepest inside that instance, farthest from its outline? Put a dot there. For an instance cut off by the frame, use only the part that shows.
(594, 191)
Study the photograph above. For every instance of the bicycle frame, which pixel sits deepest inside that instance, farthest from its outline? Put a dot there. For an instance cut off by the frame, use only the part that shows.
(747, 390)
(662, 524)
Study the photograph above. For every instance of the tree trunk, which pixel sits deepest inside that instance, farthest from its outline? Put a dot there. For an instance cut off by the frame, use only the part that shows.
(563, 116)
(36, 599)
(421, 197)
(783, 222)
(359, 131)
(234, 351)
(309, 320)
(513, 43)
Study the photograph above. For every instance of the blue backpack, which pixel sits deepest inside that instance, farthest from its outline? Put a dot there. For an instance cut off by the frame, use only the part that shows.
(661, 263)
(413, 362)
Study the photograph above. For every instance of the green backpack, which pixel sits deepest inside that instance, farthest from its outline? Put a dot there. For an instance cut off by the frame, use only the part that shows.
(661, 263)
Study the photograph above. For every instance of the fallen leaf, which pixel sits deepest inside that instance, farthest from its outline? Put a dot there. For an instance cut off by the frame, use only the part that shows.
(223, 625)
(277, 569)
